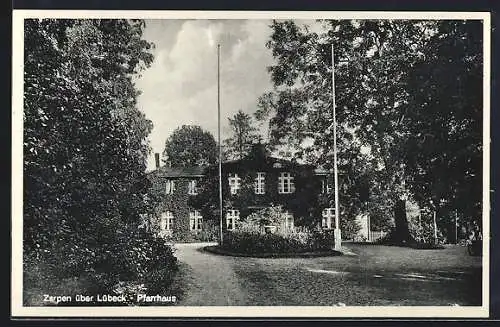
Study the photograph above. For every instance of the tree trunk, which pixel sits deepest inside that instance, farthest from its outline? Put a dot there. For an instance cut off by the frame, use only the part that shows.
(401, 233)
(401, 230)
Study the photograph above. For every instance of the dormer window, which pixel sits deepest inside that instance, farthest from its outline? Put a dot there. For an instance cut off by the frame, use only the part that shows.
(260, 180)
(192, 187)
(286, 183)
(170, 186)
(234, 183)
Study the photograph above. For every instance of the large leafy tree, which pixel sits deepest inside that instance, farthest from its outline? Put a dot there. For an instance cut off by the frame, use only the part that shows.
(369, 59)
(243, 135)
(374, 98)
(85, 142)
(190, 145)
(445, 140)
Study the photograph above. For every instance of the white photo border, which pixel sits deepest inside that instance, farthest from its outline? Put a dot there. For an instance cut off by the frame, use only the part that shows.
(17, 308)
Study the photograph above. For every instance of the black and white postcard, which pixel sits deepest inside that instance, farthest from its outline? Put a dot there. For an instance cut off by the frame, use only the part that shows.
(250, 164)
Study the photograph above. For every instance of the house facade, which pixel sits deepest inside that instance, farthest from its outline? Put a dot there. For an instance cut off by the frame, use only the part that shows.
(188, 197)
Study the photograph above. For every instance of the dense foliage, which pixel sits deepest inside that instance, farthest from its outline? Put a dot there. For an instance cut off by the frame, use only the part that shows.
(243, 135)
(446, 114)
(408, 110)
(252, 242)
(190, 145)
(85, 152)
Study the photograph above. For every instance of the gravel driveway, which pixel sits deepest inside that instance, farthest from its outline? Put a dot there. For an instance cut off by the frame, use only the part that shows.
(210, 279)
(377, 275)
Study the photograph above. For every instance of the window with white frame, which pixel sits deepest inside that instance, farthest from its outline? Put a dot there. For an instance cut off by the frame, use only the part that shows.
(192, 187)
(195, 220)
(166, 221)
(260, 181)
(234, 183)
(328, 215)
(289, 223)
(170, 186)
(286, 184)
(326, 187)
(231, 217)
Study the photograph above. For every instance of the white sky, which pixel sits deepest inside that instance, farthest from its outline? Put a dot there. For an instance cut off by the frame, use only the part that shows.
(180, 87)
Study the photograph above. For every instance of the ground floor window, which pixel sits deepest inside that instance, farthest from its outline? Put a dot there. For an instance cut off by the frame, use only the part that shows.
(289, 223)
(231, 217)
(326, 187)
(166, 222)
(328, 215)
(195, 220)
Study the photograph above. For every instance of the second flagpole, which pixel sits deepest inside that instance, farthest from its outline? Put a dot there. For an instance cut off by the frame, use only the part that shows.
(337, 232)
(220, 147)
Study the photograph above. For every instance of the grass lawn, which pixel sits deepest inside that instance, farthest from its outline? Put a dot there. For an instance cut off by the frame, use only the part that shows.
(377, 275)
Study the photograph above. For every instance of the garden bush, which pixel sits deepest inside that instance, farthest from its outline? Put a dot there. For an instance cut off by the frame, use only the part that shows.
(251, 242)
(415, 244)
(132, 256)
(209, 233)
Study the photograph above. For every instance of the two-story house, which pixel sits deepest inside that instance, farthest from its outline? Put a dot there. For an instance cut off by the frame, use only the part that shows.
(189, 196)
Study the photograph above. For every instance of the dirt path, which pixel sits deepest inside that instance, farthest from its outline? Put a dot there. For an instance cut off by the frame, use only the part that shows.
(210, 279)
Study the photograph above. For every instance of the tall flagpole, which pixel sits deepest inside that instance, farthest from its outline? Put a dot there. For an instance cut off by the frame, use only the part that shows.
(337, 234)
(220, 148)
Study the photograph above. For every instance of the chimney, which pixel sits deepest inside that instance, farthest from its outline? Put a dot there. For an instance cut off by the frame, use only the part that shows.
(157, 159)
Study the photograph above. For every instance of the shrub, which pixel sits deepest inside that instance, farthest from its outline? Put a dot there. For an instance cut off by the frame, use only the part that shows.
(266, 216)
(250, 242)
(416, 244)
(209, 233)
(129, 256)
(155, 262)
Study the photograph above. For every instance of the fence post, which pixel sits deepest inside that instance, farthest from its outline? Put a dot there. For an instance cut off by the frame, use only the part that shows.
(435, 227)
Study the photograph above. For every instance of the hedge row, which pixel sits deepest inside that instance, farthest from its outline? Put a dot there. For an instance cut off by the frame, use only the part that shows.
(249, 242)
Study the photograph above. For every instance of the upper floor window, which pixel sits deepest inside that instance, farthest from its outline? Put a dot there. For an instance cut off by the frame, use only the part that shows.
(286, 184)
(328, 215)
(192, 187)
(234, 183)
(326, 186)
(289, 221)
(231, 217)
(195, 220)
(260, 181)
(170, 186)
(166, 221)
